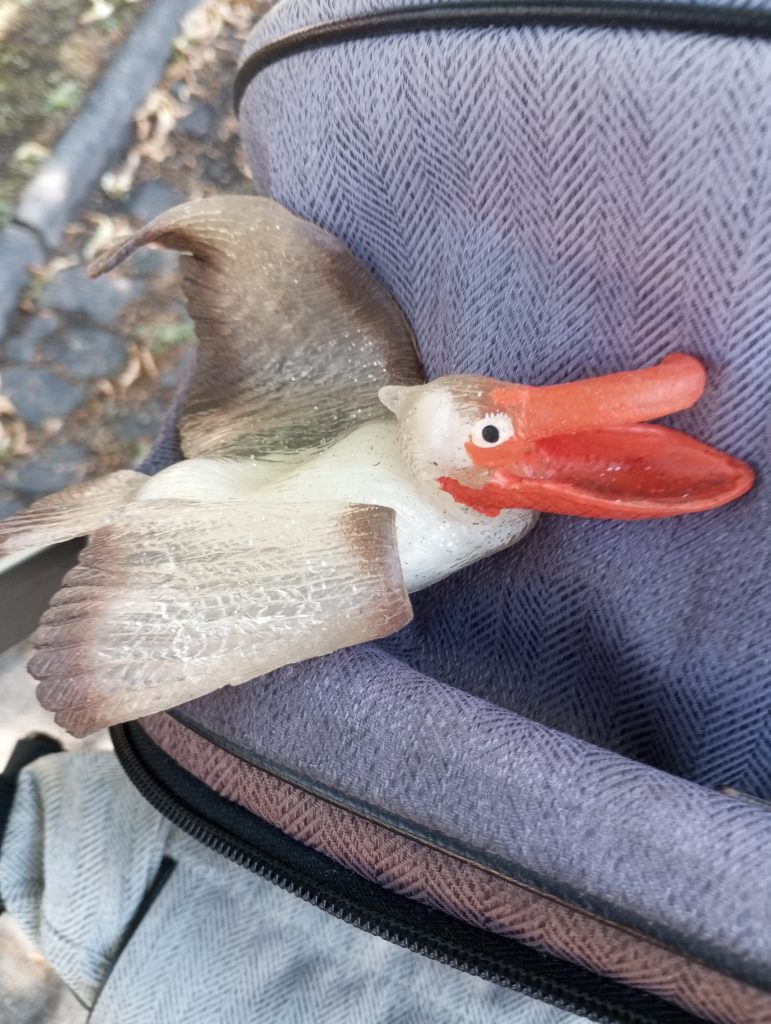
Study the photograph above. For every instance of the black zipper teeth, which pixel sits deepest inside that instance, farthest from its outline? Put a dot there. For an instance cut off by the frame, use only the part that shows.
(642, 15)
(212, 837)
(442, 951)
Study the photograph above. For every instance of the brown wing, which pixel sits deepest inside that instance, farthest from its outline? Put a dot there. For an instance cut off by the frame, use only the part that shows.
(73, 512)
(296, 335)
(175, 599)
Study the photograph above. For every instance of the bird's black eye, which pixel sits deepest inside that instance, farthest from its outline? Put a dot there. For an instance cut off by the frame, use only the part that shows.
(492, 430)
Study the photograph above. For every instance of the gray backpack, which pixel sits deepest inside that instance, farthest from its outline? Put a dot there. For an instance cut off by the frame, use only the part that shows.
(553, 780)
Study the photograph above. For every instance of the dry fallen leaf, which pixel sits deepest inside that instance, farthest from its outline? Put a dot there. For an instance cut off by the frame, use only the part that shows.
(106, 231)
(51, 425)
(100, 10)
(13, 438)
(148, 362)
(133, 368)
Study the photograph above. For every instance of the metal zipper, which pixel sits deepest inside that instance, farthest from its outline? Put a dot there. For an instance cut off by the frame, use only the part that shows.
(554, 991)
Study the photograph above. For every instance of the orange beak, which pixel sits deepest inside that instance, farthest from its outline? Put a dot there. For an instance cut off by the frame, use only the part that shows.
(585, 449)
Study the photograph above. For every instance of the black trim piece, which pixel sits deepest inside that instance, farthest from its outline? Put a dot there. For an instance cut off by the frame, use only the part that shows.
(27, 750)
(613, 14)
(255, 844)
(26, 589)
(162, 875)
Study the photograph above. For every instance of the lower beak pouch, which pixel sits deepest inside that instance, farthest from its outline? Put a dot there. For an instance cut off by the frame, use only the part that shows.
(644, 471)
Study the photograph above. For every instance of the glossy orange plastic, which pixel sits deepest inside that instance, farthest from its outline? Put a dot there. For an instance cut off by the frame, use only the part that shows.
(583, 449)
(634, 396)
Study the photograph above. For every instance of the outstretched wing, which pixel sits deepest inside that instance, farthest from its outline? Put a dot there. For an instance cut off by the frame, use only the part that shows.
(296, 335)
(154, 615)
(73, 512)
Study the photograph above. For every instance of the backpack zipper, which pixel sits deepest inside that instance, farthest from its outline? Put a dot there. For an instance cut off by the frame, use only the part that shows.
(651, 15)
(541, 976)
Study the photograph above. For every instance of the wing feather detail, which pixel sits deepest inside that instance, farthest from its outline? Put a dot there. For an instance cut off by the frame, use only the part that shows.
(176, 599)
(73, 512)
(296, 335)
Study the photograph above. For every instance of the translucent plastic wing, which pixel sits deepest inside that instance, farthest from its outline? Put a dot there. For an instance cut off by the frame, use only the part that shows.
(72, 512)
(154, 615)
(296, 335)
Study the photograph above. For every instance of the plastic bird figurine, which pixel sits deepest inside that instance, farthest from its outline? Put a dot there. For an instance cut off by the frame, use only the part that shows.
(323, 479)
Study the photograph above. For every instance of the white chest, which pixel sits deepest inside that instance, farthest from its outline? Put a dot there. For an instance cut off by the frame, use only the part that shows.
(435, 535)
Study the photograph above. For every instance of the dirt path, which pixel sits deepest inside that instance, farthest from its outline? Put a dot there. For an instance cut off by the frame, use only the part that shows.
(89, 367)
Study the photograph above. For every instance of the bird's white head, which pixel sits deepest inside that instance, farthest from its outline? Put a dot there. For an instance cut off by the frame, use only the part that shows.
(438, 421)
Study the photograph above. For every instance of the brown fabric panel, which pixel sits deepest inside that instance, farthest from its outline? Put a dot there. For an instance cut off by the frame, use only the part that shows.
(466, 891)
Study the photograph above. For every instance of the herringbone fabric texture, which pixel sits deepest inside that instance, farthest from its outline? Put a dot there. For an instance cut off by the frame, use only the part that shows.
(218, 945)
(547, 204)
(457, 887)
